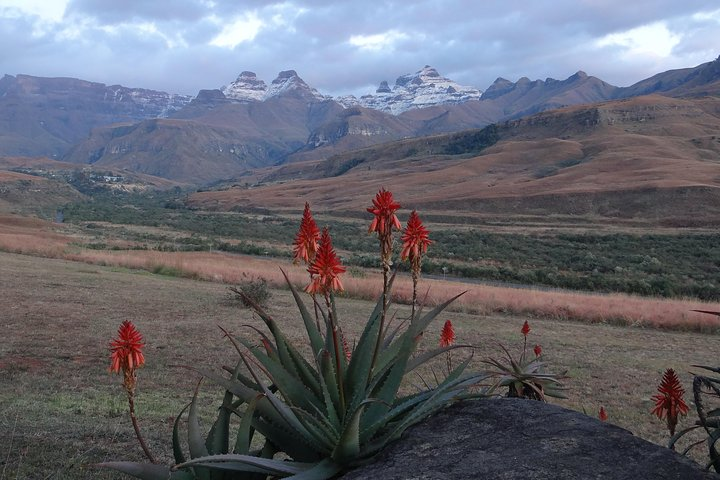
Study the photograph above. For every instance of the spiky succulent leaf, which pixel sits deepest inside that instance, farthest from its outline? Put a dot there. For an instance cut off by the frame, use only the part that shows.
(218, 438)
(196, 444)
(177, 448)
(147, 471)
(316, 341)
(290, 384)
(361, 363)
(331, 392)
(248, 463)
(244, 435)
(348, 446)
(322, 470)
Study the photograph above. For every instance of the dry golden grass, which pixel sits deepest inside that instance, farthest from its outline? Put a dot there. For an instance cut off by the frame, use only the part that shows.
(35, 237)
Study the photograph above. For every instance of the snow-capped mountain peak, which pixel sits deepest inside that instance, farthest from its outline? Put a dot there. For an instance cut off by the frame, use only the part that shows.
(289, 83)
(247, 87)
(424, 88)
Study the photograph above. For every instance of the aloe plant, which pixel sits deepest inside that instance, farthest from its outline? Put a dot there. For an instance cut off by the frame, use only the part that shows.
(326, 413)
(526, 377)
(299, 411)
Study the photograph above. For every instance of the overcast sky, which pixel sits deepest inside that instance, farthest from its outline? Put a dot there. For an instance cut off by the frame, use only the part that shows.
(341, 47)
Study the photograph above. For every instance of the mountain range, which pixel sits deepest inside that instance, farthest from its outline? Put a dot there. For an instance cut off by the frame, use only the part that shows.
(248, 125)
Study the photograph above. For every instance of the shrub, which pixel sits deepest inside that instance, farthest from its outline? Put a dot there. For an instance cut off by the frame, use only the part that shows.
(253, 291)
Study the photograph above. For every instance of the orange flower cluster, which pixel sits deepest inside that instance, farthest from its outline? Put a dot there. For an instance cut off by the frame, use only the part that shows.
(415, 241)
(669, 400)
(525, 328)
(384, 208)
(127, 348)
(325, 268)
(306, 241)
(127, 353)
(447, 336)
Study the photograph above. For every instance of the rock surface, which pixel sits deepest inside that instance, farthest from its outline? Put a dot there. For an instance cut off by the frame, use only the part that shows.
(522, 439)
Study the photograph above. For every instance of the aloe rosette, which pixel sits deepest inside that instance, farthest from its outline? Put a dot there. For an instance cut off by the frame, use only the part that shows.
(323, 414)
(299, 409)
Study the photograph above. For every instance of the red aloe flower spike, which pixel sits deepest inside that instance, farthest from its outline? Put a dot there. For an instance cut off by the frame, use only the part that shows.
(127, 356)
(415, 240)
(127, 349)
(537, 350)
(602, 415)
(384, 208)
(525, 328)
(669, 400)
(325, 268)
(447, 336)
(306, 241)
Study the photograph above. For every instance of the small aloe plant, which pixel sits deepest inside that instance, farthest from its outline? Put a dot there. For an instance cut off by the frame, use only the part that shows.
(330, 412)
(526, 377)
(670, 405)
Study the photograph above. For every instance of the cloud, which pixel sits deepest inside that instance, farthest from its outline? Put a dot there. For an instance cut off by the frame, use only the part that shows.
(241, 29)
(183, 46)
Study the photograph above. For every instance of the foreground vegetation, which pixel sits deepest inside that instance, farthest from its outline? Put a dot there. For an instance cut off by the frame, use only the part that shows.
(672, 264)
(61, 411)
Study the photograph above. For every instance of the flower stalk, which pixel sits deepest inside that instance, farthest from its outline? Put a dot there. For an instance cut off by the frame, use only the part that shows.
(126, 356)
(415, 243)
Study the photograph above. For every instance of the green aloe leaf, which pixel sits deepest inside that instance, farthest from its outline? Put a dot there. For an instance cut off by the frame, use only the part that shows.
(360, 366)
(439, 397)
(146, 471)
(323, 432)
(244, 435)
(316, 341)
(416, 327)
(264, 407)
(331, 394)
(290, 385)
(323, 470)
(196, 444)
(219, 436)
(248, 463)
(177, 448)
(286, 440)
(348, 447)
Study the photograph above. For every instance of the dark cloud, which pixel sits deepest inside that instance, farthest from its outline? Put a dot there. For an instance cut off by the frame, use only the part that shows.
(166, 44)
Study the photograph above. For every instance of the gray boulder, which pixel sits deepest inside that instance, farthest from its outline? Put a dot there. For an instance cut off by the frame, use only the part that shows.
(523, 439)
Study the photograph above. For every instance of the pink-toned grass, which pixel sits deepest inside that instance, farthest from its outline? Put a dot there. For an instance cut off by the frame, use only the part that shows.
(35, 238)
(619, 309)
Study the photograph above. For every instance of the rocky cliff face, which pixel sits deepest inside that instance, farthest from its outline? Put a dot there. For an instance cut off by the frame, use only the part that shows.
(45, 116)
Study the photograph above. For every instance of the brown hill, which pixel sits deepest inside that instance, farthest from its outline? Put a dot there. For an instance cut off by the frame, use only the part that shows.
(650, 157)
(20, 192)
(211, 140)
(45, 116)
